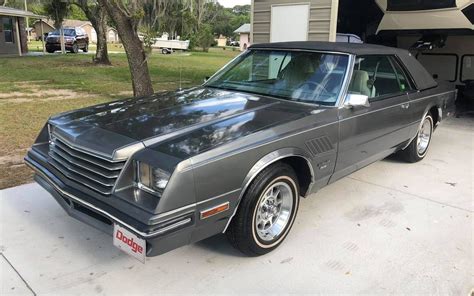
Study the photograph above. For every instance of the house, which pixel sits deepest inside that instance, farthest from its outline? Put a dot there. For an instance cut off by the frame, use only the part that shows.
(13, 34)
(244, 33)
(221, 41)
(48, 26)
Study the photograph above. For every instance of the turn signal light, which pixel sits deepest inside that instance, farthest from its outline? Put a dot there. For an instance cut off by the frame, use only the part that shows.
(215, 210)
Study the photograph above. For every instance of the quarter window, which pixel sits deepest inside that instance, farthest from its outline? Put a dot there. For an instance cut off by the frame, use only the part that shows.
(401, 76)
(8, 29)
(375, 77)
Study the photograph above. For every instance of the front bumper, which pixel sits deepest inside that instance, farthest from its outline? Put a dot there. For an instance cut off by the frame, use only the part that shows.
(176, 231)
(50, 45)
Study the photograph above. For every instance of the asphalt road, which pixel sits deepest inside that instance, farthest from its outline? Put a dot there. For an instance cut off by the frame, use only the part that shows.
(391, 228)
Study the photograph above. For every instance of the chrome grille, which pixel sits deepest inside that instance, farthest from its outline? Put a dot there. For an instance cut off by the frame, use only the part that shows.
(84, 168)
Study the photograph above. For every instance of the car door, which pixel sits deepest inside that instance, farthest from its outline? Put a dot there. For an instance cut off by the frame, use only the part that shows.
(367, 134)
(81, 37)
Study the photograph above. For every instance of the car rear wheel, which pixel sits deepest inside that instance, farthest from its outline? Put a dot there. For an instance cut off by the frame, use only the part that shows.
(418, 147)
(267, 211)
(86, 48)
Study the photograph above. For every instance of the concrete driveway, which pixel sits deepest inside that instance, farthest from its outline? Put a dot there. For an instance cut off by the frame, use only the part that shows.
(391, 228)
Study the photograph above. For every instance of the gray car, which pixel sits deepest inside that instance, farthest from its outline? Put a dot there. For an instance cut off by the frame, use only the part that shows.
(235, 155)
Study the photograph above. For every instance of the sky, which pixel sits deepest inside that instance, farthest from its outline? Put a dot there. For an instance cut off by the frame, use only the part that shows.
(232, 3)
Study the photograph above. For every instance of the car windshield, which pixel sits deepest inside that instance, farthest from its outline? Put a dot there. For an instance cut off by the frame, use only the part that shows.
(310, 77)
(67, 32)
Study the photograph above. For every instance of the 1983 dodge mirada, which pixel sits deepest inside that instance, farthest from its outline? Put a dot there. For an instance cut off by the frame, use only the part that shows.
(235, 155)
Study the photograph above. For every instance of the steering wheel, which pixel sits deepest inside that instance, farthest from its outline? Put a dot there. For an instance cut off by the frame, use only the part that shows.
(316, 85)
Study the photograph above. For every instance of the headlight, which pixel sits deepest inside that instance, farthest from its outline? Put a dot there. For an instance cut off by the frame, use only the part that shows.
(151, 179)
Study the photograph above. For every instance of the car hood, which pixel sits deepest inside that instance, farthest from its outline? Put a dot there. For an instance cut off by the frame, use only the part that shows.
(180, 123)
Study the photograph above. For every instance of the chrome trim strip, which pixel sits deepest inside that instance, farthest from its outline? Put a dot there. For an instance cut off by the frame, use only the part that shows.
(166, 214)
(218, 196)
(81, 183)
(115, 219)
(85, 150)
(193, 205)
(123, 153)
(393, 106)
(346, 83)
(74, 154)
(172, 226)
(298, 133)
(300, 50)
(259, 145)
(111, 184)
(73, 162)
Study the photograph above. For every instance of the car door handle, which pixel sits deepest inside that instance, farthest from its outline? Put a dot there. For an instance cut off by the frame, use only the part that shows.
(405, 106)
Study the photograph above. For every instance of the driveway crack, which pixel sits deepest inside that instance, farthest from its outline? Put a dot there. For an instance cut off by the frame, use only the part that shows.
(24, 281)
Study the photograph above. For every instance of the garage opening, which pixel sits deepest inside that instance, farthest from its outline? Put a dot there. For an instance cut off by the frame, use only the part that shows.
(360, 18)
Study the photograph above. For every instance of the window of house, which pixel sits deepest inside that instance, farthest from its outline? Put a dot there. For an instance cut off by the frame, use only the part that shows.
(8, 29)
(467, 70)
(375, 77)
(441, 65)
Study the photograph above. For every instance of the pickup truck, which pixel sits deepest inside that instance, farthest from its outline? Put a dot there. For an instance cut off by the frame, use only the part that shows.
(236, 154)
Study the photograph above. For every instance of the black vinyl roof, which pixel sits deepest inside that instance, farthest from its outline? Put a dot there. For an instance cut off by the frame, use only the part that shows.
(422, 78)
(351, 48)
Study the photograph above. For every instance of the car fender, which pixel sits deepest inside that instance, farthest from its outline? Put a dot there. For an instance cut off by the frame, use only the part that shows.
(263, 163)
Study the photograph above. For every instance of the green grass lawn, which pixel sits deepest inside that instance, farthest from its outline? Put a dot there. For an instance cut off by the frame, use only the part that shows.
(33, 88)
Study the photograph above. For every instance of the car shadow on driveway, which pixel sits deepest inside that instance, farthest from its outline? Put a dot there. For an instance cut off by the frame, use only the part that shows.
(218, 244)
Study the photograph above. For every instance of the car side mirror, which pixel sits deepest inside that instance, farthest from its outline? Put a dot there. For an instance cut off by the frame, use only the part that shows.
(206, 78)
(356, 100)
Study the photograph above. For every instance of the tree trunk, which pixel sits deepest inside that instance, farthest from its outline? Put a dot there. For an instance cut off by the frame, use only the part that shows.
(61, 39)
(97, 15)
(101, 53)
(137, 60)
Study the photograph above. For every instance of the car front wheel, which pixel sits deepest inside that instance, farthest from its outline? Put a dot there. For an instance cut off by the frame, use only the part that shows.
(75, 48)
(418, 147)
(267, 211)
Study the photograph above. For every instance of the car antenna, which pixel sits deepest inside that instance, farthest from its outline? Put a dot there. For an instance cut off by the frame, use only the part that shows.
(180, 78)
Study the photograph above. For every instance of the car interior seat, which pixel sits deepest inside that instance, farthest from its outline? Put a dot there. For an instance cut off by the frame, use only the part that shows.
(298, 71)
(360, 83)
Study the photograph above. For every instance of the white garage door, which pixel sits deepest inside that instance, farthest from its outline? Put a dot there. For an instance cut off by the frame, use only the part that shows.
(289, 23)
